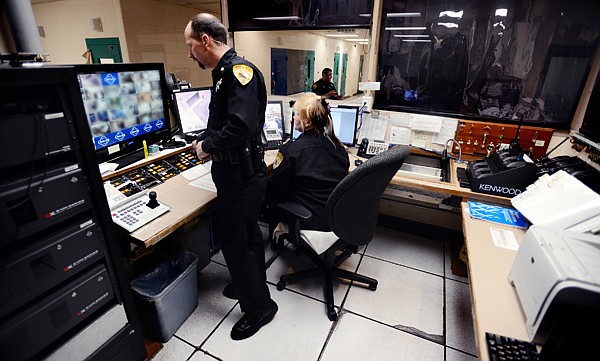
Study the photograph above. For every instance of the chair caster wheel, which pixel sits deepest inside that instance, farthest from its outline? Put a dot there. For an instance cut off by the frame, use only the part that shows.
(280, 285)
(373, 287)
(332, 315)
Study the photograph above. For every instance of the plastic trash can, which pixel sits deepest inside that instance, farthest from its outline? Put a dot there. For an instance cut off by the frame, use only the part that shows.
(166, 295)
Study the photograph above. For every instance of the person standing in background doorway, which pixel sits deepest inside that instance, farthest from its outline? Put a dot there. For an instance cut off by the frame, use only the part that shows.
(324, 87)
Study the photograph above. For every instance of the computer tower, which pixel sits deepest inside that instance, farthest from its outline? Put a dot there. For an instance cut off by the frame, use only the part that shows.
(64, 293)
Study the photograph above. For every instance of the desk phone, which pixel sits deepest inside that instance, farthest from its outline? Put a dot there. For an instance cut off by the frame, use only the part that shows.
(371, 147)
(272, 138)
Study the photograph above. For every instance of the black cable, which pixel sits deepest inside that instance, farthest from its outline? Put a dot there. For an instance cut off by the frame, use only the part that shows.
(553, 149)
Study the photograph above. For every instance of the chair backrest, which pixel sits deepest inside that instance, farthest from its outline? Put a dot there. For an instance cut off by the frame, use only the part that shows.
(353, 206)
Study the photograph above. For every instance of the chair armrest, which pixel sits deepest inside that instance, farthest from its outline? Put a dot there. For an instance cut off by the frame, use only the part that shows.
(294, 209)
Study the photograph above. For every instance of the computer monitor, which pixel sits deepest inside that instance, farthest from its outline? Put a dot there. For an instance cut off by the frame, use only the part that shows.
(344, 119)
(273, 128)
(191, 108)
(125, 105)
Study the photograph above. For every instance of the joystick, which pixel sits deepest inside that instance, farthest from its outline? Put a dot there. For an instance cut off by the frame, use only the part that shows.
(153, 203)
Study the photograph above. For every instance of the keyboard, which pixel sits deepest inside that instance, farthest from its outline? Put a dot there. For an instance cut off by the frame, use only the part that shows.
(502, 348)
(135, 213)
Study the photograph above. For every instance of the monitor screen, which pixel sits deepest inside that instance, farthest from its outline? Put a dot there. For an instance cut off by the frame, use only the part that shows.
(344, 124)
(191, 106)
(125, 104)
(274, 121)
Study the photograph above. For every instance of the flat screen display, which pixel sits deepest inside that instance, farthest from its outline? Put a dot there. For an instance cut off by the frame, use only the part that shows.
(192, 107)
(344, 124)
(125, 104)
(274, 120)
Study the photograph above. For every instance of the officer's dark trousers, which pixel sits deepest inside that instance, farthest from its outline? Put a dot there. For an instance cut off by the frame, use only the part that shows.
(239, 199)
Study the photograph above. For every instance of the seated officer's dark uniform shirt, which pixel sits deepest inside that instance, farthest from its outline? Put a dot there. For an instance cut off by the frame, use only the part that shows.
(322, 87)
(306, 171)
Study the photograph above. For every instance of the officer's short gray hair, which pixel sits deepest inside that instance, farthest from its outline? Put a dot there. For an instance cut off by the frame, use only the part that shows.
(208, 24)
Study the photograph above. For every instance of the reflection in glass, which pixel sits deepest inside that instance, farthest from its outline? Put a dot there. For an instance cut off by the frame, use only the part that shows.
(479, 60)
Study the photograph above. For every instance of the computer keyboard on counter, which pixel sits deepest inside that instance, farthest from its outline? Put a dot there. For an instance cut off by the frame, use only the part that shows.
(501, 348)
(138, 211)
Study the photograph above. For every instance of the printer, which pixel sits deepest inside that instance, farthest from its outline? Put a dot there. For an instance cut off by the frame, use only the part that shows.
(556, 274)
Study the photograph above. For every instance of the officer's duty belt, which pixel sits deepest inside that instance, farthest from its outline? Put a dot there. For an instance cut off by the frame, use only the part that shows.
(230, 155)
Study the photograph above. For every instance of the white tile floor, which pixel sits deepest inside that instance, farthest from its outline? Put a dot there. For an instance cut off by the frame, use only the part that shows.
(420, 310)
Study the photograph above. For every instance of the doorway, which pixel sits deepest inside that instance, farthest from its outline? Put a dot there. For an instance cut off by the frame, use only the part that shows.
(104, 50)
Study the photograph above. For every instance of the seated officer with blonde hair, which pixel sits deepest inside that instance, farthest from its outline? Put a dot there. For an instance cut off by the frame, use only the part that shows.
(307, 169)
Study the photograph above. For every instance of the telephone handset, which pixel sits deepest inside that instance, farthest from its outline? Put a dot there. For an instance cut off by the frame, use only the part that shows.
(271, 138)
(371, 147)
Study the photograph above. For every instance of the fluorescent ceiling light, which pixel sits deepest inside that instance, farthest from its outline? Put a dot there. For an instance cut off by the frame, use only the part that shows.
(449, 25)
(364, 15)
(417, 40)
(452, 14)
(342, 35)
(356, 39)
(363, 42)
(392, 28)
(501, 12)
(403, 15)
(411, 36)
(275, 18)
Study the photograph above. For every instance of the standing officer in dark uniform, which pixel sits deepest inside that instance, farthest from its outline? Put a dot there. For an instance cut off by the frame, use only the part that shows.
(324, 87)
(232, 141)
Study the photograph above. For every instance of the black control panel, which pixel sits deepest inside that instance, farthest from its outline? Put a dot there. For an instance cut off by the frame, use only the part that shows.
(153, 174)
(501, 174)
(573, 165)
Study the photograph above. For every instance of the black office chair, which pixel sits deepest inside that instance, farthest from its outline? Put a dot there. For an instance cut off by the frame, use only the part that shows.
(352, 210)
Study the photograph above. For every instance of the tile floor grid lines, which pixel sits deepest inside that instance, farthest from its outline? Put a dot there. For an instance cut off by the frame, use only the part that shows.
(420, 310)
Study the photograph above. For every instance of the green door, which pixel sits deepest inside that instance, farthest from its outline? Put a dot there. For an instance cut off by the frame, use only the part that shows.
(309, 61)
(336, 71)
(104, 48)
(342, 90)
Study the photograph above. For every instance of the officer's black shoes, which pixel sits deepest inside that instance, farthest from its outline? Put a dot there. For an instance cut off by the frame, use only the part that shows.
(252, 321)
(229, 292)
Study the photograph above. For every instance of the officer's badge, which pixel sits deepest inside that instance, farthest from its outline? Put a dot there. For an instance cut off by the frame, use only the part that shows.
(243, 73)
(314, 86)
(278, 160)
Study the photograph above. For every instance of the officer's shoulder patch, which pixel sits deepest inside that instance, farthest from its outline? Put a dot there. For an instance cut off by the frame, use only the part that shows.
(278, 160)
(243, 73)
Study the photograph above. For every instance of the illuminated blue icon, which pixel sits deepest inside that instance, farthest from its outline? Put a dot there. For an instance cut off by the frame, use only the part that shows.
(147, 127)
(103, 141)
(134, 131)
(109, 79)
(120, 135)
(159, 124)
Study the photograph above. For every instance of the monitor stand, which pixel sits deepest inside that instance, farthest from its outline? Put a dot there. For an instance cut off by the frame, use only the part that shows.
(129, 158)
